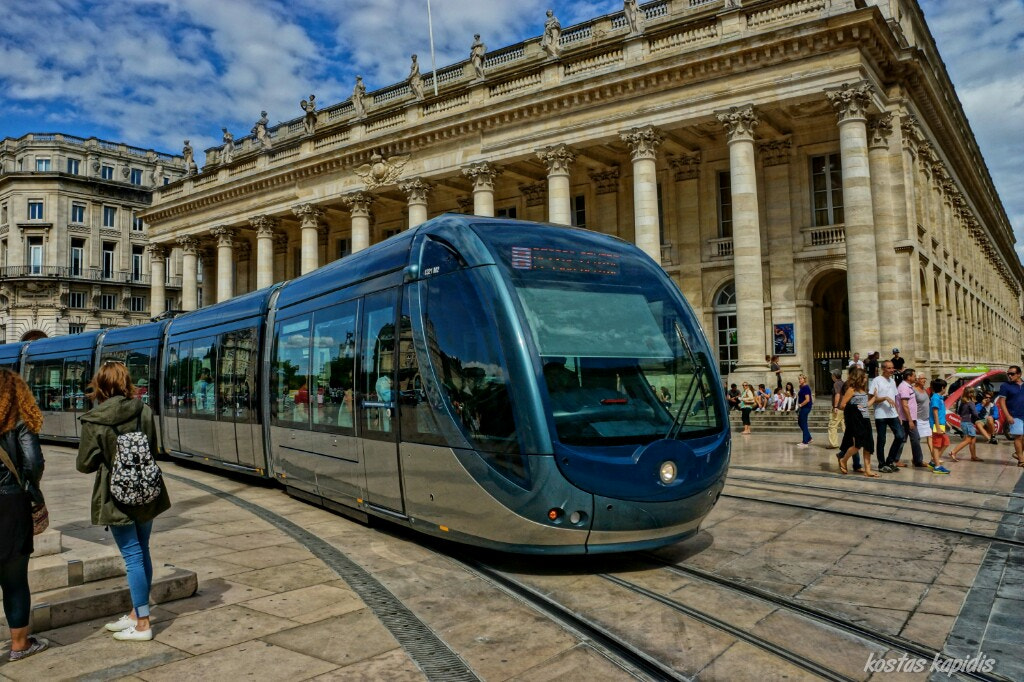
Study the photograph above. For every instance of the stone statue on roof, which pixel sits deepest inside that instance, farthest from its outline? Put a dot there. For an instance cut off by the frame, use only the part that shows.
(415, 80)
(309, 120)
(634, 16)
(552, 32)
(358, 93)
(228, 150)
(476, 56)
(261, 132)
(190, 162)
(158, 174)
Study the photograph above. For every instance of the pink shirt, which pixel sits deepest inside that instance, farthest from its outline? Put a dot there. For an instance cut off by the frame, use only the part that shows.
(906, 391)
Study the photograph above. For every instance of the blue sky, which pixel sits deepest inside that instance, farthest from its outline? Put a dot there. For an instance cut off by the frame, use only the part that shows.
(154, 72)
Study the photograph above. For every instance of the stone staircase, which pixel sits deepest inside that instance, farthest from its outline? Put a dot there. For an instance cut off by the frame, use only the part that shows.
(76, 580)
(770, 421)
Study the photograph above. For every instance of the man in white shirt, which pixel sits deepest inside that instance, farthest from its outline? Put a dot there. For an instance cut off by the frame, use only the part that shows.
(856, 362)
(883, 390)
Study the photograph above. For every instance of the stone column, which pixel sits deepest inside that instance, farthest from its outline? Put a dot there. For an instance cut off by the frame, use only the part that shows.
(358, 204)
(264, 226)
(157, 279)
(558, 159)
(189, 272)
(225, 264)
(483, 174)
(417, 190)
(643, 146)
(605, 216)
(894, 294)
(851, 103)
(739, 123)
(309, 222)
(687, 176)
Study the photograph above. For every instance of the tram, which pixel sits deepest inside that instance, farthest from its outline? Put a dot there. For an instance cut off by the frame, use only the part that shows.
(513, 385)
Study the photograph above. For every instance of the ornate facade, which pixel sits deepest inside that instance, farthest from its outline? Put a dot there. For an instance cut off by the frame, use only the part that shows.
(801, 168)
(73, 245)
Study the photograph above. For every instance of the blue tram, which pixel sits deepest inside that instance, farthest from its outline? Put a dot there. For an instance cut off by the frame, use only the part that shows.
(512, 385)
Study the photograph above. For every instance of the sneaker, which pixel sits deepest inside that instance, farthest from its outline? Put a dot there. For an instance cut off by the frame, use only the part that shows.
(895, 468)
(122, 623)
(885, 469)
(940, 470)
(993, 441)
(35, 645)
(132, 635)
(801, 445)
(931, 465)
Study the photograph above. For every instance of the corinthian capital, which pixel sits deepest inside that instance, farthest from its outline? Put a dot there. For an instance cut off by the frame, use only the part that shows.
(358, 204)
(483, 174)
(739, 123)
(643, 142)
(308, 214)
(225, 235)
(879, 130)
(157, 251)
(557, 158)
(264, 225)
(416, 189)
(189, 245)
(851, 101)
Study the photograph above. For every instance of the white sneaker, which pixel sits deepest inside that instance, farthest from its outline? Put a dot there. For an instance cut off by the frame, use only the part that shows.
(132, 635)
(122, 623)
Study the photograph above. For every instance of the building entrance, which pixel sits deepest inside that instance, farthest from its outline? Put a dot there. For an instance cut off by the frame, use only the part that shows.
(830, 327)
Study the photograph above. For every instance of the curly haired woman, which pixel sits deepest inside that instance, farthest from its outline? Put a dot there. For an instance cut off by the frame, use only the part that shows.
(20, 422)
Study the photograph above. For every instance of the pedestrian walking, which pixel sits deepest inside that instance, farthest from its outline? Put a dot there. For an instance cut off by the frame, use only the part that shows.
(747, 402)
(804, 403)
(923, 400)
(910, 407)
(119, 420)
(939, 440)
(835, 417)
(967, 410)
(20, 423)
(883, 390)
(1011, 404)
(857, 437)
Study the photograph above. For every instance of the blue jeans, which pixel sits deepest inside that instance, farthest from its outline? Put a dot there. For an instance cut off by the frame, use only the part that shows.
(802, 418)
(882, 425)
(133, 541)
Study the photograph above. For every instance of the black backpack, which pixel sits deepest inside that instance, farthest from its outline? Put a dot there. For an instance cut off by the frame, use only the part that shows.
(135, 478)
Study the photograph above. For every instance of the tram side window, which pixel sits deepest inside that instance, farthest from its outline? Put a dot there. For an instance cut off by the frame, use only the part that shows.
(469, 363)
(171, 394)
(334, 353)
(184, 385)
(225, 377)
(289, 381)
(140, 367)
(418, 418)
(242, 394)
(44, 378)
(377, 367)
(202, 378)
(77, 375)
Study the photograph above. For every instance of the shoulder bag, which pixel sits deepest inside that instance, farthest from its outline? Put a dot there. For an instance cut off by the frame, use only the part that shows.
(40, 515)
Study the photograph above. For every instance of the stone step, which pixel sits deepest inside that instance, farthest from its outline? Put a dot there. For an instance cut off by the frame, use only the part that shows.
(53, 571)
(101, 598)
(48, 542)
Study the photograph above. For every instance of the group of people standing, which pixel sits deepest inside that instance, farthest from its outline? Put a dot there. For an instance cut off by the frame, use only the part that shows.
(118, 412)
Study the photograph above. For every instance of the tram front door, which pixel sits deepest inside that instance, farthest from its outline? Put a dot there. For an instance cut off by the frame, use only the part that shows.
(377, 401)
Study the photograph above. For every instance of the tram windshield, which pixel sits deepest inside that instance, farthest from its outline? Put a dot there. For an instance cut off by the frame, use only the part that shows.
(623, 358)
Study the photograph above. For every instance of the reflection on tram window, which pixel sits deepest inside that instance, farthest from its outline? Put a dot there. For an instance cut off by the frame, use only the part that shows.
(140, 368)
(468, 361)
(378, 366)
(202, 379)
(225, 378)
(334, 349)
(77, 375)
(241, 347)
(44, 378)
(419, 418)
(289, 380)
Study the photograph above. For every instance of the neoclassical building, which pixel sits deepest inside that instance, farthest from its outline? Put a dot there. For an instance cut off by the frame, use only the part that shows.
(801, 168)
(73, 244)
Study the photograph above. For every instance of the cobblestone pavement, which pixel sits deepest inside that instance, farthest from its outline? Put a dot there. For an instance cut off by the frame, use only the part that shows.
(277, 599)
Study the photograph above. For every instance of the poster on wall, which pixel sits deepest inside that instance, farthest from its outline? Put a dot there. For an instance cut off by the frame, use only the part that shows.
(785, 343)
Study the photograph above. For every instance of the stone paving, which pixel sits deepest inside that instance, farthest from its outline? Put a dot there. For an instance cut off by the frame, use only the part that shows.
(269, 608)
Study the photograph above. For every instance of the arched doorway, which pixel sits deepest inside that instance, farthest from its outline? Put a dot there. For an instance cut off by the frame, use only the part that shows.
(726, 341)
(830, 326)
(33, 335)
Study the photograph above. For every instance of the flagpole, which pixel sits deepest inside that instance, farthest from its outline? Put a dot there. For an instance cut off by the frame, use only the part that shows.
(433, 64)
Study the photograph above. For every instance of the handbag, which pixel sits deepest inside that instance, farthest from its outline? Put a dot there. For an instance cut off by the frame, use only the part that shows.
(40, 515)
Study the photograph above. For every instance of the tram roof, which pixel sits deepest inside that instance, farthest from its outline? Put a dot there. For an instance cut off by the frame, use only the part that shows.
(10, 351)
(64, 344)
(141, 332)
(252, 304)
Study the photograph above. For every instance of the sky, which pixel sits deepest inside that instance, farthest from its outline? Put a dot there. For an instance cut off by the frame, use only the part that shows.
(154, 72)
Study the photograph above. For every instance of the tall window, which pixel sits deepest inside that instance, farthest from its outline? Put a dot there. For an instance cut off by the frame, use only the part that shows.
(137, 304)
(137, 223)
(137, 263)
(579, 211)
(76, 299)
(76, 328)
(35, 255)
(109, 216)
(78, 214)
(35, 209)
(725, 328)
(108, 302)
(73, 166)
(342, 248)
(724, 205)
(107, 172)
(3, 214)
(77, 257)
(108, 259)
(42, 165)
(827, 189)
(136, 176)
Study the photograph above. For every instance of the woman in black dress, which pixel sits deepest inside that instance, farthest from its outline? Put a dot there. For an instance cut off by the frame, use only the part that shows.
(855, 404)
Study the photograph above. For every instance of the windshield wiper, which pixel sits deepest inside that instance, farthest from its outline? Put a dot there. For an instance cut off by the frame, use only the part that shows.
(695, 388)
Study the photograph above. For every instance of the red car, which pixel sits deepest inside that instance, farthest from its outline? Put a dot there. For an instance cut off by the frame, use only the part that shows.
(982, 382)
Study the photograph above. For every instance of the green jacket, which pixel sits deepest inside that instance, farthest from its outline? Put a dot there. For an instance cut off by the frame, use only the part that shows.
(100, 428)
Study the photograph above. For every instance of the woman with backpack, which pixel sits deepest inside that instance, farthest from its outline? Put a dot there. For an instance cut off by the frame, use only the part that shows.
(119, 442)
(20, 422)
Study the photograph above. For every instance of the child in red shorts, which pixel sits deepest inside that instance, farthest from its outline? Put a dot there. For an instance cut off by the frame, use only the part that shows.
(939, 440)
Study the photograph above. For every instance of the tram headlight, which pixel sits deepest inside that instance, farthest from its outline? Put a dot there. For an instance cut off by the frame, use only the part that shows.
(667, 472)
